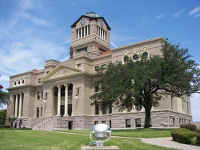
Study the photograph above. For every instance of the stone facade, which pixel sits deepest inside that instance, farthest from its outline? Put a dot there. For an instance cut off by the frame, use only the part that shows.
(58, 96)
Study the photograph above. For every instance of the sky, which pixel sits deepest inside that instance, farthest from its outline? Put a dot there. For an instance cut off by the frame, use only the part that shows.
(33, 31)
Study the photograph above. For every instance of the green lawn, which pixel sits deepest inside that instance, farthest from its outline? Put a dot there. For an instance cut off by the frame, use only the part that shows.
(43, 140)
(138, 133)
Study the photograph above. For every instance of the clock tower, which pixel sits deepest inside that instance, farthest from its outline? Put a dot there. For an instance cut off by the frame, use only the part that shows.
(90, 36)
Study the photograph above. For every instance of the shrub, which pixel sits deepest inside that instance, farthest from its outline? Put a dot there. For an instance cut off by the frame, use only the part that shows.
(2, 117)
(189, 126)
(185, 136)
(198, 130)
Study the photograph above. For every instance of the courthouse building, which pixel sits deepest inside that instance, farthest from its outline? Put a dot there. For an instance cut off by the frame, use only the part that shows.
(58, 96)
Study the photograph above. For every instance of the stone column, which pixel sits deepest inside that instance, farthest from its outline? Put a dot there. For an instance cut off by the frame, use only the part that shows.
(66, 100)
(20, 104)
(59, 101)
(16, 104)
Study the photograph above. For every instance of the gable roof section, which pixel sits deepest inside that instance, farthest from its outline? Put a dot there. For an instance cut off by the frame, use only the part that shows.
(60, 67)
(92, 18)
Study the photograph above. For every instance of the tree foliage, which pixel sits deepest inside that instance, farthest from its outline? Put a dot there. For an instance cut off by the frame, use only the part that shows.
(3, 97)
(142, 82)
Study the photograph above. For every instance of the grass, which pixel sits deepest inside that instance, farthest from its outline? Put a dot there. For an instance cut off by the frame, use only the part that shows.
(11, 139)
(137, 133)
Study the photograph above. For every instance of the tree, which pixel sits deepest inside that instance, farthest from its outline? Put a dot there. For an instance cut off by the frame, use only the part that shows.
(144, 81)
(3, 96)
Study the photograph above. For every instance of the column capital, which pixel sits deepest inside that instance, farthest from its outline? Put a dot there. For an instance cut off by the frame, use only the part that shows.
(59, 86)
(65, 84)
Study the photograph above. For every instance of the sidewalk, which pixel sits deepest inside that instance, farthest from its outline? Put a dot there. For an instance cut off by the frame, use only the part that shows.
(167, 142)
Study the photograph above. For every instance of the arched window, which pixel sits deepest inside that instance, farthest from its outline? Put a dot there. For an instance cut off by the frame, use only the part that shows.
(138, 107)
(135, 57)
(126, 58)
(145, 55)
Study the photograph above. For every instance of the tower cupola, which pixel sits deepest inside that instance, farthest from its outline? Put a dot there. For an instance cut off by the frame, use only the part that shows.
(90, 35)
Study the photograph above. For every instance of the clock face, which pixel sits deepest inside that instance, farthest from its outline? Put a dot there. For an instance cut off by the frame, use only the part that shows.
(82, 21)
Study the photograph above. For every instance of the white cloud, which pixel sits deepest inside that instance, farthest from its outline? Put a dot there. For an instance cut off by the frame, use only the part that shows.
(36, 20)
(26, 4)
(178, 13)
(194, 11)
(197, 15)
(4, 78)
(22, 49)
(160, 16)
(23, 12)
(113, 44)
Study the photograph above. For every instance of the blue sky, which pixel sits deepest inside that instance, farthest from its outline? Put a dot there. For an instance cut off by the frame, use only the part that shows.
(32, 31)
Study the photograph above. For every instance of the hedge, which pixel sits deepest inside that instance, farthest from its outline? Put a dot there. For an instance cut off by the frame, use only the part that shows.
(2, 117)
(189, 126)
(186, 136)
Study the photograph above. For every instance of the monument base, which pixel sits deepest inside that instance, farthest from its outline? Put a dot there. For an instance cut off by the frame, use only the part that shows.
(102, 148)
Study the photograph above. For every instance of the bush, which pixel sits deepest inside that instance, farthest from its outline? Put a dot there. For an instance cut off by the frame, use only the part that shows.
(189, 126)
(185, 136)
(2, 117)
(198, 140)
(198, 130)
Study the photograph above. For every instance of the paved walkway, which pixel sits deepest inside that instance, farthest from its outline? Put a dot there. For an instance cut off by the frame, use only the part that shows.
(163, 142)
(167, 142)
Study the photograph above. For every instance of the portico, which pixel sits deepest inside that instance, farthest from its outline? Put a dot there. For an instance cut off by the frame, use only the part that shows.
(18, 100)
(63, 97)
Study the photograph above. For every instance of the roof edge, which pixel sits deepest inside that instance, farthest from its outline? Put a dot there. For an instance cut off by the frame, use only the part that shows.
(138, 43)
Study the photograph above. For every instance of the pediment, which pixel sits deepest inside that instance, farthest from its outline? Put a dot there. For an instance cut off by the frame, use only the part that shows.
(60, 72)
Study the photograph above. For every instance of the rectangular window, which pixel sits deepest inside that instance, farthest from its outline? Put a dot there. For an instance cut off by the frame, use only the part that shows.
(88, 29)
(128, 123)
(96, 108)
(138, 123)
(86, 32)
(96, 89)
(38, 95)
(37, 112)
(77, 33)
(104, 108)
(82, 49)
(110, 108)
(96, 122)
(82, 31)
(104, 121)
(96, 68)
(110, 124)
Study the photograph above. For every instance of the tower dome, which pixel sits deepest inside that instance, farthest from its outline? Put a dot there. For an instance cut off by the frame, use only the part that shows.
(92, 14)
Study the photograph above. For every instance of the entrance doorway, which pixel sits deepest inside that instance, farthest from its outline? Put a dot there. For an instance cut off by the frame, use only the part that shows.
(70, 125)
(62, 110)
